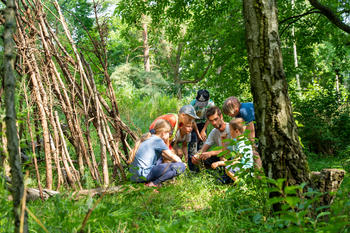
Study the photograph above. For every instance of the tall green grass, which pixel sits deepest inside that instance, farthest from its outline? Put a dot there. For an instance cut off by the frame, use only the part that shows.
(139, 113)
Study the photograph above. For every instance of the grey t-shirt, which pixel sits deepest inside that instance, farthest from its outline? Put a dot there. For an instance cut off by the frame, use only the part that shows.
(185, 138)
(215, 135)
(147, 155)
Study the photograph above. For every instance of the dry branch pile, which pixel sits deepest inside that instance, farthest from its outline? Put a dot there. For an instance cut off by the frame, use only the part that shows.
(67, 109)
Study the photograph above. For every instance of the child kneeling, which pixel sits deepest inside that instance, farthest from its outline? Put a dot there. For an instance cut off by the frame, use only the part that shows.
(146, 158)
(242, 148)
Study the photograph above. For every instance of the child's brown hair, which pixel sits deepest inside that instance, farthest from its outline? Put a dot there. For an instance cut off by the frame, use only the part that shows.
(230, 104)
(238, 123)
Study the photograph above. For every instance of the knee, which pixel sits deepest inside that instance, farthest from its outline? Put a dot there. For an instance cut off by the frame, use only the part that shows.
(179, 167)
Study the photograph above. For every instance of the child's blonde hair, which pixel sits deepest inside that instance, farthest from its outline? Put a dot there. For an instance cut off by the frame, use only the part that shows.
(160, 126)
(237, 123)
(230, 104)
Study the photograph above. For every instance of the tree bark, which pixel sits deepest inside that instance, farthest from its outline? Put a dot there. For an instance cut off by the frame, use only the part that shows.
(279, 145)
(10, 118)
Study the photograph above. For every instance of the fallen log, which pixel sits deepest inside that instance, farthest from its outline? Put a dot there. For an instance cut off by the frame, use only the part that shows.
(34, 194)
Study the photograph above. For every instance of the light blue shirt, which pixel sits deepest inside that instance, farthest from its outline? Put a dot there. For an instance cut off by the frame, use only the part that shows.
(147, 155)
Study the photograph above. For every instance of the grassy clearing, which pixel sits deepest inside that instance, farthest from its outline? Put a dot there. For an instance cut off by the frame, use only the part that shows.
(191, 203)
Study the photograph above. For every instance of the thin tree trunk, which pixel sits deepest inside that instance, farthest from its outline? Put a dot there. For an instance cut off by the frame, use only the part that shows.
(296, 65)
(72, 173)
(337, 82)
(145, 44)
(279, 145)
(33, 144)
(10, 118)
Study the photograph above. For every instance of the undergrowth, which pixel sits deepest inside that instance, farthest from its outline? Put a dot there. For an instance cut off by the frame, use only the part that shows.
(191, 203)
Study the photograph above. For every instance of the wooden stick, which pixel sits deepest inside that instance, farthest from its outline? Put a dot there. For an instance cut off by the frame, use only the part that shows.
(33, 144)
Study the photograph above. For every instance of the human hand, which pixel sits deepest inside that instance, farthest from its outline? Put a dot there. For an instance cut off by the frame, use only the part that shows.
(203, 136)
(186, 164)
(195, 159)
(215, 165)
(205, 155)
(200, 137)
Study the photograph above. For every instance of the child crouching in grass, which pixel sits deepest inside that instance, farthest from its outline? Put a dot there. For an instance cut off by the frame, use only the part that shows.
(146, 158)
(182, 138)
(242, 148)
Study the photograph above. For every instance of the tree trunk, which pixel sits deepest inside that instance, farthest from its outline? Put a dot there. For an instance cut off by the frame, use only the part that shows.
(10, 118)
(145, 44)
(295, 53)
(279, 145)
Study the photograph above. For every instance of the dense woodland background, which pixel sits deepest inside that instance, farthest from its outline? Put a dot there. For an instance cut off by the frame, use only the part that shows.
(92, 75)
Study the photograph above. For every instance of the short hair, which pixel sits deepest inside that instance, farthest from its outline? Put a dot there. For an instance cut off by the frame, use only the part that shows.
(230, 104)
(238, 123)
(211, 111)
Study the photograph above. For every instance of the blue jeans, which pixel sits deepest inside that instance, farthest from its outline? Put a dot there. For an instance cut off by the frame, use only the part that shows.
(165, 171)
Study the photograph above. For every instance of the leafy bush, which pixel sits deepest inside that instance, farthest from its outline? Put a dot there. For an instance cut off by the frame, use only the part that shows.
(324, 113)
(133, 80)
(143, 96)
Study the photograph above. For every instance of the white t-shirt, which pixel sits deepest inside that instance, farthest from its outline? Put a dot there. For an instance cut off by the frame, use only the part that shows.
(215, 136)
(244, 148)
(179, 139)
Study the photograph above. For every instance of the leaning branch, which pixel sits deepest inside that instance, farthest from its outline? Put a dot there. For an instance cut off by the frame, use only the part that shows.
(330, 15)
(309, 12)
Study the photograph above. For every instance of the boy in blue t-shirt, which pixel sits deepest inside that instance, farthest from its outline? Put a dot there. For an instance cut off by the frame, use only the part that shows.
(234, 108)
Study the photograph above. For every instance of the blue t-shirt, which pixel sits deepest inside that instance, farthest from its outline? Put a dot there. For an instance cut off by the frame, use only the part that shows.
(147, 156)
(246, 111)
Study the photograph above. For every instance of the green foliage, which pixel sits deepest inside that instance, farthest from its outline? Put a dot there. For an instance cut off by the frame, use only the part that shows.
(138, 109)
(300, 211)
(6, 208)
(134, 78)
(324, 114)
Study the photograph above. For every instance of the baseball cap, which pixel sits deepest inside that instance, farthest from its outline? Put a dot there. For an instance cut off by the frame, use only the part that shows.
(189, 110)
(202, 95)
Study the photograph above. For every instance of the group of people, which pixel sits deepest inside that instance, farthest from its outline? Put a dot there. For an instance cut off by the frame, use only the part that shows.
(175, 141)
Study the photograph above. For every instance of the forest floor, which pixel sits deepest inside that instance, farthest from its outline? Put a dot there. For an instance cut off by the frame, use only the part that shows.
(191, 203)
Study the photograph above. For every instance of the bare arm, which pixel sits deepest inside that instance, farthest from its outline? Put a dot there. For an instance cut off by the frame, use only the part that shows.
(195, 127)
(207, 154)
(218, 164)
(251, 129)
(203, 134)
(168, 154)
